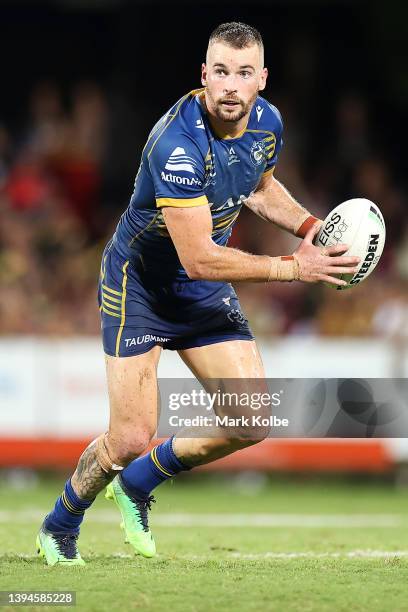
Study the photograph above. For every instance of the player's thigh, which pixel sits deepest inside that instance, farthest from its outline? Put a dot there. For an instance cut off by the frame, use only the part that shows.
(236, 368)
(133, 395)
(230, 359)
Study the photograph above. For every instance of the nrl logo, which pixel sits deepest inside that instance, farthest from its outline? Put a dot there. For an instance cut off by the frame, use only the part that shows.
(258, 153)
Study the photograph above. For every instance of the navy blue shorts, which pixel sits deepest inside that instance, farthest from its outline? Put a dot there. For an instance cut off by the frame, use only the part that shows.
(140, 311)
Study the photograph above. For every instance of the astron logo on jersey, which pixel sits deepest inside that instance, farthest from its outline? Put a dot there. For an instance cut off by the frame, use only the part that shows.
(200, 124)
(232, 156)
(143, 339)
(179, 180)
(259, 111)
(178, 160)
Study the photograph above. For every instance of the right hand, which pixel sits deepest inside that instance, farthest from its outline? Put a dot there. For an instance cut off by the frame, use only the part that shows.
(319, 264)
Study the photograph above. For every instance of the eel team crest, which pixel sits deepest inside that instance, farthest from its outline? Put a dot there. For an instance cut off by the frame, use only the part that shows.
(258, 152)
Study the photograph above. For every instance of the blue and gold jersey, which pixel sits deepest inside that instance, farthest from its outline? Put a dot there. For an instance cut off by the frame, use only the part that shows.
(185, 164)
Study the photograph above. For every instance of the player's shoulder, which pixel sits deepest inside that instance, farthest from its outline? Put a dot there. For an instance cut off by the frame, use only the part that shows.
(265, 116)
(182, 125)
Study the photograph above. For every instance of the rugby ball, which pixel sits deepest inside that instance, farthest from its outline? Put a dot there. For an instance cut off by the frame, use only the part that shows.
(360, 224)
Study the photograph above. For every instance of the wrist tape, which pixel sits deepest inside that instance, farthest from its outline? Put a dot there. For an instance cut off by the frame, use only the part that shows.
(284, 268)
(306, 223)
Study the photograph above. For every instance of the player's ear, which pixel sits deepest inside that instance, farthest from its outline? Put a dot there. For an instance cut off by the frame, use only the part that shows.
(203, 74)
(262, 78)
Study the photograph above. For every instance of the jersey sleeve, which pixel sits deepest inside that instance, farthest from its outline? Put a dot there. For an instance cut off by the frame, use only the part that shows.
(177, 170)
(274, 144)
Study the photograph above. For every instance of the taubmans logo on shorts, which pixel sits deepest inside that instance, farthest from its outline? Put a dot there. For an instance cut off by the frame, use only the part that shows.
(258, 152)
(143, 339)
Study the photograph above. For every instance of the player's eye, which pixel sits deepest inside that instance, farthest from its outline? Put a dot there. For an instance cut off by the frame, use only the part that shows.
(219, 71)
(245, 74)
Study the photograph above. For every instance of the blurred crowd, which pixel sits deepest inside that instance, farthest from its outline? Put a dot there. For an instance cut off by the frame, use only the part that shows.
(66, 174)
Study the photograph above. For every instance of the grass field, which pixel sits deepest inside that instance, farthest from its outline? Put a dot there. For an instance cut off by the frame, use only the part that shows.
(226, 543)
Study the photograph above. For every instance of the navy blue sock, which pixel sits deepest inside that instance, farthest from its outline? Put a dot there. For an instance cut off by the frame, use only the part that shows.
(144, 473)
(68, 511)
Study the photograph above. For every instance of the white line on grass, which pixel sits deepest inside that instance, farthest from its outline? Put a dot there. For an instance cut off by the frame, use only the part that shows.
(352, 554)
(369, 554)
(228, 520)
(278, 520)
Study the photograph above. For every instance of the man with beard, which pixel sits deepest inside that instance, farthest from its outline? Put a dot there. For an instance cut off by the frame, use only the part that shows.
(165, 283)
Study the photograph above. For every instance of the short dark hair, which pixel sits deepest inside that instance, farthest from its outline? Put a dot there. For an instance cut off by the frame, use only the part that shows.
(236, 34)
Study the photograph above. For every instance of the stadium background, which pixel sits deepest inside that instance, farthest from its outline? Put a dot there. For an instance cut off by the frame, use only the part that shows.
(82, 82)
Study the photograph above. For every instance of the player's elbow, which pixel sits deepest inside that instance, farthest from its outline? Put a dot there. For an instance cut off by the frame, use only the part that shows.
(195, 270)
(201, 265)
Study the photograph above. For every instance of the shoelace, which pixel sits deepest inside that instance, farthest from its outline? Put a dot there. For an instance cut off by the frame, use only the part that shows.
(67, 545)
(142, 506)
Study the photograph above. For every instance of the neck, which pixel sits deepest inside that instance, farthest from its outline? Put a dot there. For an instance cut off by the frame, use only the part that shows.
(224, 129)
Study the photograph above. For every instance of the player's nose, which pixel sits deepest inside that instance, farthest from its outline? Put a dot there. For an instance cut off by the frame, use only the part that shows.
(230, 84)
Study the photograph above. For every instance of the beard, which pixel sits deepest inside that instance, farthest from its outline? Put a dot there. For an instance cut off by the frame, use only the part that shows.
(235, 112)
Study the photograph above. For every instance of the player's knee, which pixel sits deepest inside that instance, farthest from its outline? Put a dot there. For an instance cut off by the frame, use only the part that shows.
(249, 435)
(247, 440)
(247, 427)
(129, 446)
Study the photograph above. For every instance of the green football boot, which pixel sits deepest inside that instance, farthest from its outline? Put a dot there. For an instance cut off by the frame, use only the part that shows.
(58, 548)
(134, 518)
